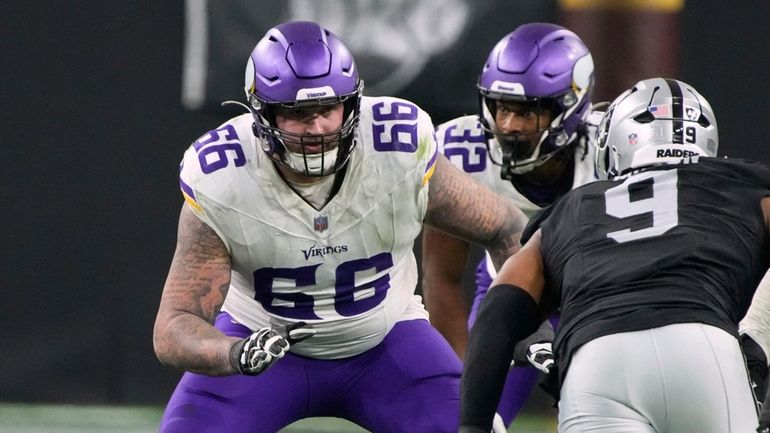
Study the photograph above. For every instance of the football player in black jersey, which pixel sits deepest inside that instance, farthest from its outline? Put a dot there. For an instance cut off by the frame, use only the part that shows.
(652, 270)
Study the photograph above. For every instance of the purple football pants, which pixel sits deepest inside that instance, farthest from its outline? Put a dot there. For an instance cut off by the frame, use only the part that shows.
(410, 382)
(521, 380)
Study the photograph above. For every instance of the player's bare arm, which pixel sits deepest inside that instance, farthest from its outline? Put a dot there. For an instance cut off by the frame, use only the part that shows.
(525, 269)
(192, 296)
(443, 265)
(766, 211)
(459, 205)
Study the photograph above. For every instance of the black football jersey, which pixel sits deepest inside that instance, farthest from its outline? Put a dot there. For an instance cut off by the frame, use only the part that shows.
(672, 244)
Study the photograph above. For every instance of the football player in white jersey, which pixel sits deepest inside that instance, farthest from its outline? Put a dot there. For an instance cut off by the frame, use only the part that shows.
(530, 142)
(294, 253)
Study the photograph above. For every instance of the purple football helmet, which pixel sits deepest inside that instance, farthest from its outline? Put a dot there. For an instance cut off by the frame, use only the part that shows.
(541, 65)
(296, 65)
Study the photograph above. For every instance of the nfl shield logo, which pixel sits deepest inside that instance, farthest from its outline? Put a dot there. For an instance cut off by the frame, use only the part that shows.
(632, 138)
(321, 223)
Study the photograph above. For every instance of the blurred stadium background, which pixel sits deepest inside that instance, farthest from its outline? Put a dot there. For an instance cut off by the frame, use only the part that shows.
(101, 98)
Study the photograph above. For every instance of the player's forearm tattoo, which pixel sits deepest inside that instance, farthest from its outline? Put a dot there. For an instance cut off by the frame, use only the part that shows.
(200, 272)
(465, 209)
(194, 292)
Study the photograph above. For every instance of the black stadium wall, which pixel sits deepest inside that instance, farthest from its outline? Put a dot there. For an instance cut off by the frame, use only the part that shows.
(94, 128)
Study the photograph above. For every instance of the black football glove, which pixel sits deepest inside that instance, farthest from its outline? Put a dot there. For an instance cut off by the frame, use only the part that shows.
(259, 351)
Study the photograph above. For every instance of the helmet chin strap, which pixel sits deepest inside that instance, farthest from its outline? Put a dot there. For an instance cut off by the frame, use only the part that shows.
(510, 168)
(312, 164)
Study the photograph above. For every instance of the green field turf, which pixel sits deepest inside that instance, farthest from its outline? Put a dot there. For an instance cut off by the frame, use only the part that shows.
(21, 418)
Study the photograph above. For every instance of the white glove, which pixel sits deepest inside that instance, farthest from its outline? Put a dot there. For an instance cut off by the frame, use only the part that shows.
(262, 349)
(535, 350)
(540, 356)
(498, 426)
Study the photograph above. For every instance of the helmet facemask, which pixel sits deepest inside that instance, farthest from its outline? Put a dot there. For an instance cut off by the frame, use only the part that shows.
(544, 66)
(312, 155)
(514, 152)
(300, 65)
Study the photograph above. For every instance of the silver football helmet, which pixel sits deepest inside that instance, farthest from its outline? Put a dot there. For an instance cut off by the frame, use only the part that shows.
(658, 121)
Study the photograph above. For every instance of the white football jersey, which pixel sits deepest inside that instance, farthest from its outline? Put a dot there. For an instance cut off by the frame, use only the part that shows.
(348, 269)
(464, 143)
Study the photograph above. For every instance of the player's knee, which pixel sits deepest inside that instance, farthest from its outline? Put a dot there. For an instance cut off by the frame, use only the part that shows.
(189, 417)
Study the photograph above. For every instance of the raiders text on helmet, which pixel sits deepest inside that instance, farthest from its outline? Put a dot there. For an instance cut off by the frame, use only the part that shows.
(658, 121)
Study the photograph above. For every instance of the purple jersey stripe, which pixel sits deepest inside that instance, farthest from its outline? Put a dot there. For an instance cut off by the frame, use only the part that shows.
(186, 189)
(432, 160)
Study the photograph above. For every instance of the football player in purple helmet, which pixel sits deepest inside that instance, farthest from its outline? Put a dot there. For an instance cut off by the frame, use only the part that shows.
(530, 142)
(292, 289)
